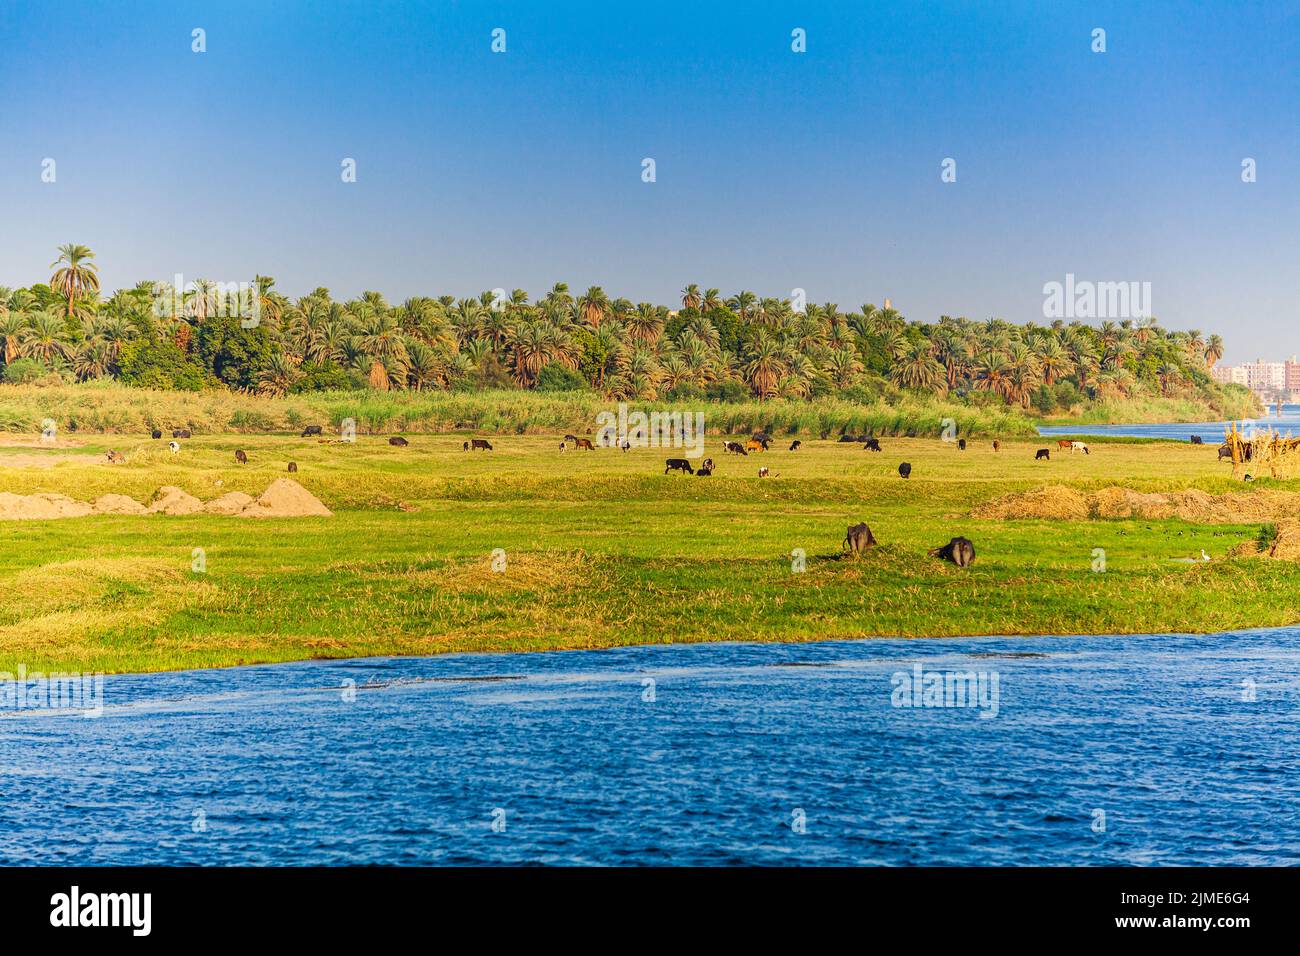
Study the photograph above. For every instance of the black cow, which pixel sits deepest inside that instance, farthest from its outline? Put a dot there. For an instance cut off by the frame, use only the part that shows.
(241, 457)
(847, 438)
(293, 466)
(1225, 451)
(1196, 440)
(310, 430)
(704, 473)
(961, 444)
(181, 433)
(857, 538)
(398, 441)
(872, 444)
(763, 437)
(795, 445)
(735, 447)
(156, 433)
(1042, 455)
(476, 444)
(959, 551)
(678, 464)
(905, 470)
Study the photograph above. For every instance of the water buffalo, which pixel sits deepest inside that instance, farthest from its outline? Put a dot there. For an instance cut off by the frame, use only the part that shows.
(997, 445)
(181, 433)
(156, 433)
(961, 444)
(796, 445)
(1196, 440)
(703, 472)
(872, 444)
(241, 457)
(678, 464)
(959, 551)
(905, 470)
(398, 441)
(1225, 451)
(857, 538)
(1042, 455)
(293, 466)
(479, 443)
(572, 438)
(310, 430)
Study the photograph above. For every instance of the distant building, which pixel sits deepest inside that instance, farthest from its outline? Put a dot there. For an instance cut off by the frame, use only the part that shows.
(1271, 381)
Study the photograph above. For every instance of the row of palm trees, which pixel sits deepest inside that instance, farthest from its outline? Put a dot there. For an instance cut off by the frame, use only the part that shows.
(710, 344)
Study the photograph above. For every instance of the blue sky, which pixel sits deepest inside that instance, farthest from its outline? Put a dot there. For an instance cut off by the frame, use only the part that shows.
(775, 170)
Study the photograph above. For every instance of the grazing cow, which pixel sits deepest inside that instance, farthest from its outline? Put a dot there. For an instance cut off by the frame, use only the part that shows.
(796, 445)
(1078, 446)
(708, 465)
(1042, 455)
(293, 466)
(997, 445)
(704, 472)
(961, 444)
(762, 472)
(754, 445)
(156, 433)
(735, 447)
(398, 441)
(1196, 440)
(627, 445)
(563, 445)
(764, 437)
(116, 458)
(905, 470)
(581, 443)
(872, 444)
(572, 438)
(310, 430)
(1063, 444)
(479, 443)
(847, 438)
(678, 464)
(174, 447)
(181, 433)
(1225, 451)
(857, 538)
(959, 551)
(240, 457)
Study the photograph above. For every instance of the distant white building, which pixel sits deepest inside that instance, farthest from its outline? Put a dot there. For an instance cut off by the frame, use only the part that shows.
(1272, 381)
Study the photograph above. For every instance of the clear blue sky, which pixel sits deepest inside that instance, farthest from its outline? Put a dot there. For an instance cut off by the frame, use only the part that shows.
(775, 170)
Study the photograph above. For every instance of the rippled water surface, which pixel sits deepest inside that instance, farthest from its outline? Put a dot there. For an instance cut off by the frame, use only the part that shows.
(1211, 432)
(286, 765)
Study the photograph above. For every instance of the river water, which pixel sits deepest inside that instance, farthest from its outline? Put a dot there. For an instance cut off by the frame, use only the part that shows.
(1088, 750)
(1210, 432)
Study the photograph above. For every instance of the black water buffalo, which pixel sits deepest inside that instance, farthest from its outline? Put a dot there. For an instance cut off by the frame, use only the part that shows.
(848, 438)
(959, 551)
(857, 538)
(961, 444)
(398, 441)
(704, 472)
(872, 444)
(678, 464)
(293, 466)
(241, 457)
(310, 430)
(181, 433)
(1224, 452)
(997, 445)
(763, 437)
(156, 433)
(796, 445)
(1196, 440)
(1042, 454)
(905, 470)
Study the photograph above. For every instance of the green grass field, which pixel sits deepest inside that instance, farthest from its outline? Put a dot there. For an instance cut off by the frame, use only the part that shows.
(601, 549)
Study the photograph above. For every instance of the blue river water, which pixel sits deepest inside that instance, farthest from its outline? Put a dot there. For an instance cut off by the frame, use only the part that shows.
(1069, 750)
(1211, 432)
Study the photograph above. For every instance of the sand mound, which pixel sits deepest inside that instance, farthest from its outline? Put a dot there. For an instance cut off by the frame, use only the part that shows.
(43, 506)
(285, 498)
(1051, 502)
(117, 505)
(1055, 502)
(171, 500)
(231, 503)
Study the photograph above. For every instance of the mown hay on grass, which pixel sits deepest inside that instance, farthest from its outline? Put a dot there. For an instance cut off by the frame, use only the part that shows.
(1055, 502)
(1286, 546)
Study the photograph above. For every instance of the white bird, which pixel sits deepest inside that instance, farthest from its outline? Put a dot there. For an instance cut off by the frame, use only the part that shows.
(1204, 556)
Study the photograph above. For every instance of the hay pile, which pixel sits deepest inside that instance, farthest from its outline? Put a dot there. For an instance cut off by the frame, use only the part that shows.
(283, 498)
(1055, 502)
(1286, 546)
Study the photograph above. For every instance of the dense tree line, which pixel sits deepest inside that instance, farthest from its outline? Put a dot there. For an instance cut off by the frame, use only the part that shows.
(708, 345)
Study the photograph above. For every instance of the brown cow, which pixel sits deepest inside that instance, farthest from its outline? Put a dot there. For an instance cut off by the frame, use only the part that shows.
(476, 443)
(1063, 443)
(996, 444)
(754, 445)
(583, 443)
(241, 457)
(857, 538)
(398, 441)
(293, 466)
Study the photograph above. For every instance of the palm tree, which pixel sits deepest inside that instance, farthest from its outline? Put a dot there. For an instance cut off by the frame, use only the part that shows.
(691, 298)
(43, 339)
(918, 369)
(1213, 350)
(593, 306)
(77, 275)
(764, 367)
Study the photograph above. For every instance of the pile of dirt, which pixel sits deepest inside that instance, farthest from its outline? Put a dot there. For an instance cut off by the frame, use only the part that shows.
(40, 507)
(231, 503)
(1056, 503)
(1052, 502)
(285, 498)
(117, 505)
(1286, 546)
(171, 500)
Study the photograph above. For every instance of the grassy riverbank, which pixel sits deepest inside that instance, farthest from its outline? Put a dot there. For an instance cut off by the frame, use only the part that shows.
(601, 549)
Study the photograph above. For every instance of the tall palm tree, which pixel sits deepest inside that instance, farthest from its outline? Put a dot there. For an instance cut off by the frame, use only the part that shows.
(691, 297)
(1213, 350)
(76, 274)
